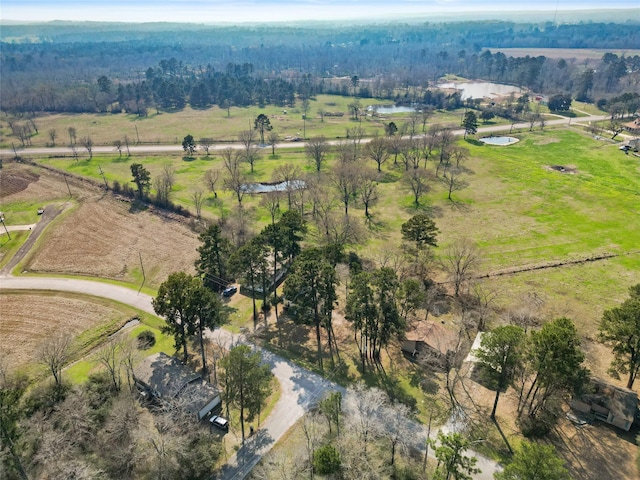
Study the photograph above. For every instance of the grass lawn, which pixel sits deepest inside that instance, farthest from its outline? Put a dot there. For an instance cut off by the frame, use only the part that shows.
(80, 371)
(516, 209)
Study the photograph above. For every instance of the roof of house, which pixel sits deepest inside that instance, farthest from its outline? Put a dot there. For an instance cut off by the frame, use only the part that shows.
(622, 402)
(166, 375)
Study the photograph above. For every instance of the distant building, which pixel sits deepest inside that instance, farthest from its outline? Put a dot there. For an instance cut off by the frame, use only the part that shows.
(165, 378)
(608, 403)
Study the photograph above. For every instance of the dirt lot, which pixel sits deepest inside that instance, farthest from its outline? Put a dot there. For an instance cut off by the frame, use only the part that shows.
(29, 318)
(101, 236)
(591, 452)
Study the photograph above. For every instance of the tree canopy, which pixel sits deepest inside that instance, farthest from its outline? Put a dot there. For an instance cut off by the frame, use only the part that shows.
(246, 382)
(620, 329)
(421, 230)
(500, 354)
(141, 177)
(534, 461)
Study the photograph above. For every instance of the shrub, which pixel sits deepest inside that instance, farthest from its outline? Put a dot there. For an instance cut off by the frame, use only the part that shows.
(326, 460)
(146, 339)
(44, 397)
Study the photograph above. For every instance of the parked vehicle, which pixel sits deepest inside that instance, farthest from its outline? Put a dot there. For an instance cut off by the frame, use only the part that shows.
(220, 423)
(229, 291)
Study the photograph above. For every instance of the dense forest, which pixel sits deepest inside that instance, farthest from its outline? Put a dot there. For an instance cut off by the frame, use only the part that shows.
(88, 67)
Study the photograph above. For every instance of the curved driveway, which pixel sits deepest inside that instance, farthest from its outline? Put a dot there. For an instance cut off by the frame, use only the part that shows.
(300, 388)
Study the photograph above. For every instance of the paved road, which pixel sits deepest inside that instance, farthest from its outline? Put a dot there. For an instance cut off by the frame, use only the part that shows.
(299, 388)
(144, 149)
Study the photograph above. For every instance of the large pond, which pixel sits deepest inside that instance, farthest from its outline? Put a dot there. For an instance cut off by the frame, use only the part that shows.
(482, 89)
(273, 187)
(389, 109)
(499, 140)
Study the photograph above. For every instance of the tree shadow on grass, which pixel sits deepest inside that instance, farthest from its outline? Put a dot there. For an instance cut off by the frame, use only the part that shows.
(459, 206)
(376, 227)
(431, 210)
(475, 142)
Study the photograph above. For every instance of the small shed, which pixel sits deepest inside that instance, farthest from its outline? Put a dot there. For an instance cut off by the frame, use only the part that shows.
(165, 378)
(609, 403)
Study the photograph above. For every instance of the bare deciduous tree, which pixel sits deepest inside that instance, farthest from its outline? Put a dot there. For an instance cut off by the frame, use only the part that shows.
(378, 151)
(452, 181)
(272, 141)
(395, 430)
(460, 260)
(210, 179)
(250, 152)
(197, 197)
(206, 144)
(288, 174)
(117, 144)
(271, 201)
(52, 136)
(235, 179)
(363, 410)
(417, 180)
(345, 180)
(55, 353)
(87, 143)
(316, 150)
(109, 357)
(368, 188)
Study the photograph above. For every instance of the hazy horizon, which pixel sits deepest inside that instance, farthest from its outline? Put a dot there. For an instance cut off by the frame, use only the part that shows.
(224, 11)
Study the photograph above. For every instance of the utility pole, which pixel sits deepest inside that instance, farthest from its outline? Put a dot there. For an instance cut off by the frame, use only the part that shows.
(4, 225)
(67, 182)
(106, 185)
(144, 278)
(137, 135)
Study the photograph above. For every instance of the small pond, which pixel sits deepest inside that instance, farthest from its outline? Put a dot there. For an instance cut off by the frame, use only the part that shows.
(481, 89)
(499, 140)
(390, 109)
(273, 187)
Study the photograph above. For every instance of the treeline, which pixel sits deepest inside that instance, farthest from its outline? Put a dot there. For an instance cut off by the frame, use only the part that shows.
(202, 66)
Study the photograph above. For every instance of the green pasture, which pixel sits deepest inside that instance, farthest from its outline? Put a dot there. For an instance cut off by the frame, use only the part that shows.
(517, 210)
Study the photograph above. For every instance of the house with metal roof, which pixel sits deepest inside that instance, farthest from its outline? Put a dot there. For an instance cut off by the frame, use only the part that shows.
(165, 378)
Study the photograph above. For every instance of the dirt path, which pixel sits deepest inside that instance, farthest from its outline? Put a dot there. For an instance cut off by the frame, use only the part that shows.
(50, 213)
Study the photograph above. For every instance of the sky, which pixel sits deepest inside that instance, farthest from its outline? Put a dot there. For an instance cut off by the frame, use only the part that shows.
(215, 11)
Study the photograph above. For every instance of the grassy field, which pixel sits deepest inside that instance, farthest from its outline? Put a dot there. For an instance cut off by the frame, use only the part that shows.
(518, 210)
(214, 122)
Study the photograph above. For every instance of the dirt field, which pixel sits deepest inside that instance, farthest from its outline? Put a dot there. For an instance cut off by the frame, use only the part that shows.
(29, 318)
(591, 55)
(591, 452)
(23, 183)
(100, 236)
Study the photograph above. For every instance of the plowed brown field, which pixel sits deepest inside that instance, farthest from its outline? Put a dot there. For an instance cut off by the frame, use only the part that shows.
(102, 237)
(29, 318)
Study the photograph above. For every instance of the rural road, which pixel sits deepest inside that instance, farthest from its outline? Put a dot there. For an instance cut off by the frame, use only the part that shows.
(300, 388)
(155, 148)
